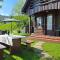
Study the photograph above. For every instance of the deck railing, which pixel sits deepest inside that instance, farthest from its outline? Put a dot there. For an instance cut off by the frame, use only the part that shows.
(50, 5)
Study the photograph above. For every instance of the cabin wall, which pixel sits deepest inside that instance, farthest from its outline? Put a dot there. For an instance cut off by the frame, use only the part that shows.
(55, 16)
(44, 8)
(58, 24)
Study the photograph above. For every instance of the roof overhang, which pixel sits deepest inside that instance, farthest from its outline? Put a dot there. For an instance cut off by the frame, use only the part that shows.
(25, 7)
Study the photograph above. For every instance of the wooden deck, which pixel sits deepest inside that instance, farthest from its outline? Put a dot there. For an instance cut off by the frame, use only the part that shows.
(37, 36)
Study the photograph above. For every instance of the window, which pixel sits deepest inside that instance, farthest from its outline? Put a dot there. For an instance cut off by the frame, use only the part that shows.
(39, 22)
(49, 22)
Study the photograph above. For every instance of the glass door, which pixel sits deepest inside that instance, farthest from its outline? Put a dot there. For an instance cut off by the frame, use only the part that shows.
(39, 22)
(49, 22)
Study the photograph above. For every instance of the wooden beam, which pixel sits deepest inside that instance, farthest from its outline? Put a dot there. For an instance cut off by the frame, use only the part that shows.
(30, 25)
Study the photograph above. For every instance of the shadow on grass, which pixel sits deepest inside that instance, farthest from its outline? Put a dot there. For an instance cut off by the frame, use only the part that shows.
(26, 53)
(23, 53)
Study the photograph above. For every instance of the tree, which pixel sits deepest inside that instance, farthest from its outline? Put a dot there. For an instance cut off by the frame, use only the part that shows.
(16, 11)
(23, 20)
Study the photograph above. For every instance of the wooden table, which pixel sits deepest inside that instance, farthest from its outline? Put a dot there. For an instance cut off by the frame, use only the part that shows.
(4, 42)
(13, 41)
(16, 43)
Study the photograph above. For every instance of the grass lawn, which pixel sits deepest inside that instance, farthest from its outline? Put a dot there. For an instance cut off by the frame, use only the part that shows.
(53, 49)
(23, 54)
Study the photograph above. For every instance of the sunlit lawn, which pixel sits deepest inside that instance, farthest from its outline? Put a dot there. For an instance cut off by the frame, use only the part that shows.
(53, 49)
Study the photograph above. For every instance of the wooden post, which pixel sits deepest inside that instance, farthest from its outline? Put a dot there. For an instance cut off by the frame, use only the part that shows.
(35, 23)
(54, 25)
(45, 24)
(30, 25)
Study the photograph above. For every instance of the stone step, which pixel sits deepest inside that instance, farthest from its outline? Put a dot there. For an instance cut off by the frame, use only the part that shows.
(39, 31)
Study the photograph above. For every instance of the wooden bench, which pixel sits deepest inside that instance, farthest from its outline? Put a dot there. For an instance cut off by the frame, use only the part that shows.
(28, 43)
(2, 47)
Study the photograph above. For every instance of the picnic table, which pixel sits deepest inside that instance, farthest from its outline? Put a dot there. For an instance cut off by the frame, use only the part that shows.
(10, 40)
(6, 39)
(13, 41)
(16, 39)
(2, 47)
(3, 40)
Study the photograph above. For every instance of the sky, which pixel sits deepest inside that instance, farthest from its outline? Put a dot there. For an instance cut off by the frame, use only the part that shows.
(7, 7)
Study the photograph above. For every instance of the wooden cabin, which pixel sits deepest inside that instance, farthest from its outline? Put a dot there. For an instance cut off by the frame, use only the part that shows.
(44, 16)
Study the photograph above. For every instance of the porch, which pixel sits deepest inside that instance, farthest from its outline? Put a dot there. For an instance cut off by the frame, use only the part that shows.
(47, 23)
(46, 38)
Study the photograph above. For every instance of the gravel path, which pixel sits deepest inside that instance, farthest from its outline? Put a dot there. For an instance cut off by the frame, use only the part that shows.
(40, 52)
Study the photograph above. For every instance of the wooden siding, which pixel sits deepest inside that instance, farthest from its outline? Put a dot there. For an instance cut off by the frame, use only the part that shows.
(46, 6)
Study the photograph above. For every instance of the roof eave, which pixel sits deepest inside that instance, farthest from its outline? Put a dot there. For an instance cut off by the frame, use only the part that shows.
(24, 9)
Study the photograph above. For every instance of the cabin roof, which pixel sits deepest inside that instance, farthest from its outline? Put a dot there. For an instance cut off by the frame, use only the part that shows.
(27, 3)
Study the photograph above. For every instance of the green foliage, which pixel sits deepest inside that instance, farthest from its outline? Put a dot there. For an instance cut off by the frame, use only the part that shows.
(7, 26)
(17, 14)
(24, 34)
(18, 7)
(24, 20)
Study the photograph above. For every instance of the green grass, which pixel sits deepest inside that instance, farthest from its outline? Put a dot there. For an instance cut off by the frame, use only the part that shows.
(53, 49)
(22, 54)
